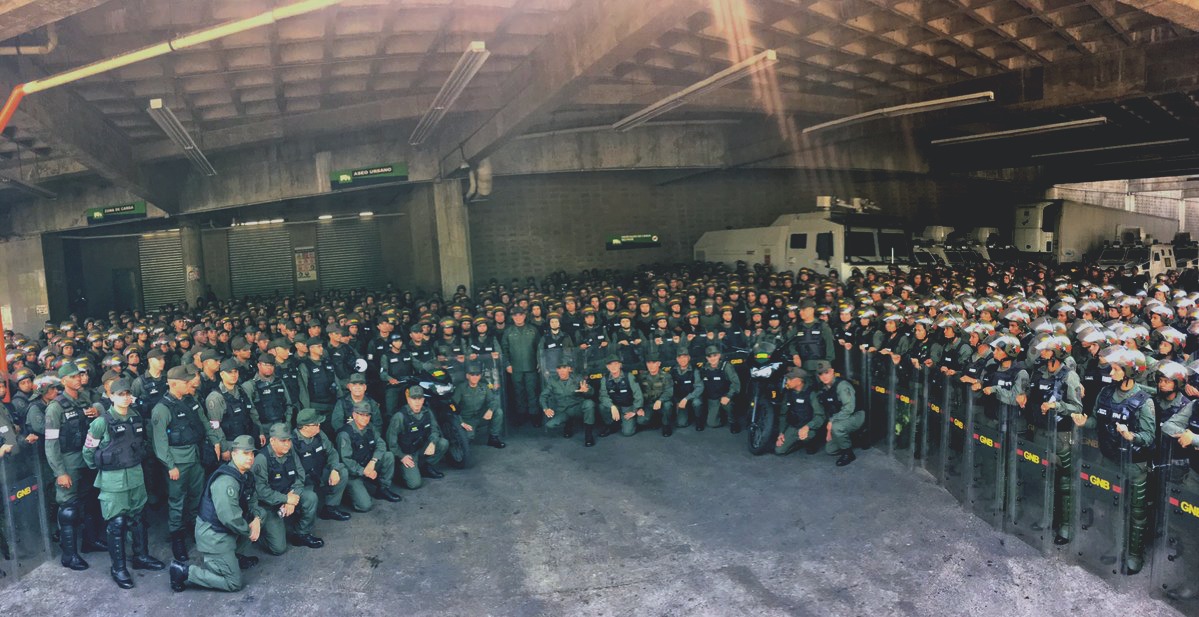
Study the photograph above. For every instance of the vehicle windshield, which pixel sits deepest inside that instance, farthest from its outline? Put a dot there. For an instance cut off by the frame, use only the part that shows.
(1137, 254)
(1183, 253)
(859, 246)
(897, 244)
(1112, 255)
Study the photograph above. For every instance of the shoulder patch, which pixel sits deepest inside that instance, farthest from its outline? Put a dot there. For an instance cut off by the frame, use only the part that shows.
(232, 492)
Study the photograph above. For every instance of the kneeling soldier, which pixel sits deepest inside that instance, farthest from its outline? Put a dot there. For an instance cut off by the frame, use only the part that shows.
(280, 479)
(802, 416)
(323, 470)
(414, 434)
(366, 458)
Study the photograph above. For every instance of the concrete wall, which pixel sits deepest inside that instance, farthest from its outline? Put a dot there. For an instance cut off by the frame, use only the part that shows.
(23, 297)
(98, 259)
(533, 225)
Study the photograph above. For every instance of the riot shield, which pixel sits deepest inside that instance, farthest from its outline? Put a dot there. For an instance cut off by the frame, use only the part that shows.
(848, 364)
(891, 410)
(548, 360)
(878, 401)
(932, 428)
(1175, 576)
(24, 534)
(956, 475)
(989, 459)
(1102, 497)
(908, 416)
(1030, 484)
(593, 366)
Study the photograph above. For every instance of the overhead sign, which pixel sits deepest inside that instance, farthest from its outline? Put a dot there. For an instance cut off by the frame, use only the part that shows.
(633, 241)
(109, 214)
(366, 176)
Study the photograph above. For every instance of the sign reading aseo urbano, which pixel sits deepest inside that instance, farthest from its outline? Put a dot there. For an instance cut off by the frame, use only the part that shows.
(366, 176)
(109, 214)
(633, 241)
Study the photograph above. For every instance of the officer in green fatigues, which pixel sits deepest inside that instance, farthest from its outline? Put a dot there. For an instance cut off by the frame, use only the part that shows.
(184, 442)
(657, 391)
(357, 395)
(284, 495)
(837, 399)
(67, 421)
(813, 339)
(229, 408)
(620, 399)
(721, 385)
(520, 344)
(229, 520)
(117, 443)
(801, 414)
(567, 398)
(416, 440)
(479, 406)
(323, 469)
(366, 458)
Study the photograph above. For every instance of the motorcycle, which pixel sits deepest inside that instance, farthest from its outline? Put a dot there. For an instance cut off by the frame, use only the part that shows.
(439, 386)
(766, 382)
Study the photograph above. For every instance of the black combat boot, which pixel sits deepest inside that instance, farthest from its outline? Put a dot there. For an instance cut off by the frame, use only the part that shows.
(847, 457)
(116, 552)
(427, 470)
(179, 545)
(68, 532)
(179, 571)
(245, 562)
(588, 435)
(496, 443)
(329, 513)
(568, 429)
(667, 428)
(141, 553)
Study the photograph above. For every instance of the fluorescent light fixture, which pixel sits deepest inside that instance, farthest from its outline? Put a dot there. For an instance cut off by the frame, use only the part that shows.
(366, 214)
(27, 188)
(906, 109)
(1031, 130)
(734, 73)
(169, 123)
(1143, 144)
(471, 61)
(325, 217)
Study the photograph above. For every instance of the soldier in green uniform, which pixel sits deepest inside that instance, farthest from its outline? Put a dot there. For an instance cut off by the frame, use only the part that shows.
(479, 405)
(813, 338)
(416, 440)
(229, 408)
(620, 396)
(356, 385)
(657, 390)
(284, 495)
(324, 472)
(366, 459)
(721, 385)
(838, 401)
(567, 398)
(519, 344)
(801, 414)
(116, 444)
(268, 394)
(67, 421)
(183, 442)
(229, 520)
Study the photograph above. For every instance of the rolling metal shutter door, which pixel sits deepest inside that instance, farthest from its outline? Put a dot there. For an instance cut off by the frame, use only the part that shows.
(260, 261)
(349, 255)
(162, 269)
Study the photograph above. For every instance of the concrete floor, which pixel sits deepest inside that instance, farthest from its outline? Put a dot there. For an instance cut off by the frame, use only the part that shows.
(690, 525)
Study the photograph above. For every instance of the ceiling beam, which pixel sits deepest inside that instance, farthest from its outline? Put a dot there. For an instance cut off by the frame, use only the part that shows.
(1185, 13)
(20, 16)
(589, 41)
(77, 130)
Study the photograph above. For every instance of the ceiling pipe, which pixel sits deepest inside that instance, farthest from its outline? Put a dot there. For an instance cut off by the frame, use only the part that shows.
(199, 37)
(34, 50)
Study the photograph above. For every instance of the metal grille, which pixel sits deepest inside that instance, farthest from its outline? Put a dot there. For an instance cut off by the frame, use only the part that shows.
(348, 255)
(260, 261)
(162, 269)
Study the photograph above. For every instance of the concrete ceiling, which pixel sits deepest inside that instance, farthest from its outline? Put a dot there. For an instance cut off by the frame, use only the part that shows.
(369, 63)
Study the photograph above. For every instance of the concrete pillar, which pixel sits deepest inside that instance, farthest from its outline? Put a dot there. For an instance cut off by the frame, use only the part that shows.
(422, 239)
(453, 236)
(193, 261)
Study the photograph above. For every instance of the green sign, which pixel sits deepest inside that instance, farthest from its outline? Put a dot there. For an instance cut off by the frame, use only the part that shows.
(633, 241)
(109, 214)
(366, 176)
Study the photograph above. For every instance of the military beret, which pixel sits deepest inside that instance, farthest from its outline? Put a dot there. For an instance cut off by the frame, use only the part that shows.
(229, 366)
(243, 442)
(308, 416)
(358, 378)
(279, 431)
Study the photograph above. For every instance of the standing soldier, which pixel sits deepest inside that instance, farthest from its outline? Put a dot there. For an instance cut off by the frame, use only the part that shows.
(268, 394)
(66, 427)
(813, 338)
(416, 439)
(230, 519)
(519, 346)
(838, 401)
(366, 458)
(721, 384)
(395, 368)
(323, 470)
(621, 397)
(318, 381)
(286, 367)
(567, 398)
(657, 389)
(282, 490)
(117, 442)
(230, 410)
(184, 442)
(479, 406)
